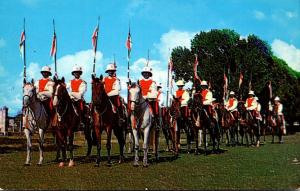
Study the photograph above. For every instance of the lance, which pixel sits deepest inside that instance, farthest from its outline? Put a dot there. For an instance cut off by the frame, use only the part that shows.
(95, 48)
(24, 52)
(168, 81)
(55, 46)
(128, 45)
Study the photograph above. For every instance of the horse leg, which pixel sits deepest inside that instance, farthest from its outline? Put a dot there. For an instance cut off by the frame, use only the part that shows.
(156, 144)
(258, 134)
(146, 146)
(227, 137)
(29, 147)
(196, 140)
(98, 136)
(121, 140)
(108, 146)
(41, 146)
(89, 139)
(71, 147)
(205, 141)
(200, 137)
(166, 135)
(136, 147)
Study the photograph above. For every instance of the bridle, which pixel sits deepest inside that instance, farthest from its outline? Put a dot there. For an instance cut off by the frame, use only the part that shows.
(58, 102)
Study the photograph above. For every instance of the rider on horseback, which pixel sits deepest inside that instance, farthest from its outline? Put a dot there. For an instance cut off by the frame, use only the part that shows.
(184, 97)
(44, 90)
(77, 88)
(278, 107)
(251, 103)
(231, 105)
(258, 109)
(160, 101)
(149, 90)
(112, 87)
(207, 98)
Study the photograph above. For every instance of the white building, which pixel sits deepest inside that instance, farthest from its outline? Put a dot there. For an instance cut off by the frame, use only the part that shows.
(3, 120)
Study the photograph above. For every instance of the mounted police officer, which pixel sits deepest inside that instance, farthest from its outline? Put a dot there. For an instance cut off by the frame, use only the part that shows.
(231, 104)
(78, 87)
(112, 86)
(251, 103)
(44, 89)
(207, 98)
(149, 89)
(278, 107)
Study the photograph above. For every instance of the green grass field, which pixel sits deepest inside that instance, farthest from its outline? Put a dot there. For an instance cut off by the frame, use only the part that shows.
(270, 166)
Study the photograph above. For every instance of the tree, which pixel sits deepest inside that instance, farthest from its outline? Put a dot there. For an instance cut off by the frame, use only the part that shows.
(223, 51)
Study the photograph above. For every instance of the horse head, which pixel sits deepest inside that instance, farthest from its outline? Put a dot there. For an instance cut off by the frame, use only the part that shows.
(29, 92)
(98, 90)
(135, 95)
(175, 107)
(61, 96)
(197, 101)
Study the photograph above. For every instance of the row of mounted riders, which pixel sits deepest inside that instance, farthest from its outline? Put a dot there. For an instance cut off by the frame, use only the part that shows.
(138, 118)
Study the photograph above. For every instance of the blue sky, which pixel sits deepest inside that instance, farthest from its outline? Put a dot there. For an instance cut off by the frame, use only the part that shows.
(156, 25)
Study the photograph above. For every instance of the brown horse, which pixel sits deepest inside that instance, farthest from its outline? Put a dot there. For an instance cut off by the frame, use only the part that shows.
(276, 124)
(68, 120)
(165, 118)
(105, 119)
(202, 121)
(249, 125)
(228, 124)
(174, 114)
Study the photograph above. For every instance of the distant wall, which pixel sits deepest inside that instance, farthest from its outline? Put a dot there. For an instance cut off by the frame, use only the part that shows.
(3, 120)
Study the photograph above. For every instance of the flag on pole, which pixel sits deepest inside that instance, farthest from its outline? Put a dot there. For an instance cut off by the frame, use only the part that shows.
(270, 90)
(22, 42)
(129, 42)
(53, 46)
(241, 79)
(95, 38)
(171, 69)
(195, 67)
(225, 86)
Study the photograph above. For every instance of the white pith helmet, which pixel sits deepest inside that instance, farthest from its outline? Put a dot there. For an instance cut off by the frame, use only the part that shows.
(203, 83)
(251, 92)
(147, 69)
(180, 83)
(111, 67)
(46, 69)
(76, 69)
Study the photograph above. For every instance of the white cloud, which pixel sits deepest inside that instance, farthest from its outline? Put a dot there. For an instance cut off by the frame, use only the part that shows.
(290, 14)
(287, 52)
(259, 15)
(172, 39)
(2, 42)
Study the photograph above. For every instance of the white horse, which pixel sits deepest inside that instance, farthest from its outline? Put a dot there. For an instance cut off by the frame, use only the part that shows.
(35, 117)
(141, 119)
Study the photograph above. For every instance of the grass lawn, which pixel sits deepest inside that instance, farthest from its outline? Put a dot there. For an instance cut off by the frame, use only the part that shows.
(270, 166)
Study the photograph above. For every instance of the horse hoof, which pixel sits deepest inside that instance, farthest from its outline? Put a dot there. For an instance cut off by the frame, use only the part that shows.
(145, 165)
(39, 164)
(71, 164)
(97, 165)
(61, 164)
(135, 164)
(109, 164)
(27, 164)
(121, 160)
